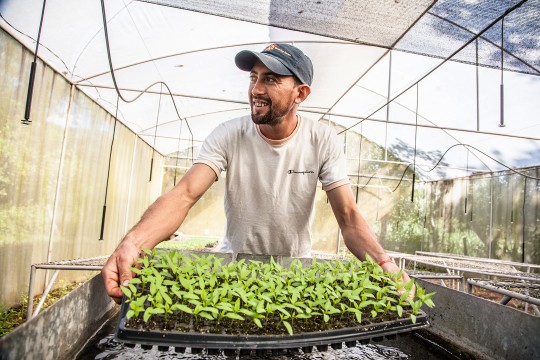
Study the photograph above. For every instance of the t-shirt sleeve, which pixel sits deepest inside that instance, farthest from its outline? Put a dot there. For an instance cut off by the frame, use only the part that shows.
(333, 172)
(213, 151)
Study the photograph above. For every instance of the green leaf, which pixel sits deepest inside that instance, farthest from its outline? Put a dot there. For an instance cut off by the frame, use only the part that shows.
(157, 311)
(288, 326)
(234, 316)
(206, 315)
(126, 291)
(147, 314)
(225, 306)
(237, 305)
(413, 319)
(130, 314)
(182, 307)
(247, 312)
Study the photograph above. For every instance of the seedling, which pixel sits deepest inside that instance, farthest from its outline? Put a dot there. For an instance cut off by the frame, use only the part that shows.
(251, 297)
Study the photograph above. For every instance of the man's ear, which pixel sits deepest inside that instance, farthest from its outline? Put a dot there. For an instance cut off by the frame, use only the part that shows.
(303, 92)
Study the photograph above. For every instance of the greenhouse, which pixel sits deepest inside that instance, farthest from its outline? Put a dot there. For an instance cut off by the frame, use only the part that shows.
(105, 105)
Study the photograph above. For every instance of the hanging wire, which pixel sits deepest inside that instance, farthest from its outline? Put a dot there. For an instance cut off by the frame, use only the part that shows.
(467, 182)
(501, 122)
(113, 76)
(108, 173)
(512, 201)
(155, 134)
(523, 225)
(26, 120)
(486, 155)
(178, 152)
(415, 138)
(359, 161)
(477, 68)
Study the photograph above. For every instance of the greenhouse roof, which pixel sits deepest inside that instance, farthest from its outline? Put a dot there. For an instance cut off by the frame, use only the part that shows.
(452, 84)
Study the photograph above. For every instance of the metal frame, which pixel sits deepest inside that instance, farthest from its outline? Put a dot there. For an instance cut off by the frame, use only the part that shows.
(508, 295)
(94, 263)
(477, 259)
(459, 265)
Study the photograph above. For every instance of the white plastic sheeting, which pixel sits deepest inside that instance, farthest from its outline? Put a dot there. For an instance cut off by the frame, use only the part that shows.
(417, 106)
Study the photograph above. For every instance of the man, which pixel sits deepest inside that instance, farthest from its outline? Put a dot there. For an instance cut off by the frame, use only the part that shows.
(273, 159)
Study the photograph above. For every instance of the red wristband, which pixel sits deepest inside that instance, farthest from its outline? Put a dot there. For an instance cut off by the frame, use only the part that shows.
(386, 261)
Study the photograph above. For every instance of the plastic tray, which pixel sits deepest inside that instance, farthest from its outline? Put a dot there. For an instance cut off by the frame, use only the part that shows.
(276, 343)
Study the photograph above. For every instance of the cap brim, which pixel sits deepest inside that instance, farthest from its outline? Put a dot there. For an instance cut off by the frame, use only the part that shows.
(246, 59)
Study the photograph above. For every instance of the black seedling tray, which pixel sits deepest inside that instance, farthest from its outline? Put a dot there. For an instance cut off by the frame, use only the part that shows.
(276, 343)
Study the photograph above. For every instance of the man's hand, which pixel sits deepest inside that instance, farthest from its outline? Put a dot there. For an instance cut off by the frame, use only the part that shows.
(117, 270)
(391, 267)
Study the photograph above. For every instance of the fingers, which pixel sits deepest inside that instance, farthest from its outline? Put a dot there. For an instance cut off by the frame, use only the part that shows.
(117, 270)
(391, 267)
(110, 279)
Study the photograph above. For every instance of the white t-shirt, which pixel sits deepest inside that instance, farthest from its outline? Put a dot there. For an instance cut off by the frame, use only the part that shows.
(270, 185)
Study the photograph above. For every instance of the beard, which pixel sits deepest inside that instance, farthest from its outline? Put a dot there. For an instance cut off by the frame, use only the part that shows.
(273, 116)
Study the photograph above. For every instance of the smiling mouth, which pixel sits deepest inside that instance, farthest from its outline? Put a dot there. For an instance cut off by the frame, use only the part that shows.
(260, 103)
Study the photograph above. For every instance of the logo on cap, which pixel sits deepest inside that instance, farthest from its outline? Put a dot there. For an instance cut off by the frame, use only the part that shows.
(275, 46)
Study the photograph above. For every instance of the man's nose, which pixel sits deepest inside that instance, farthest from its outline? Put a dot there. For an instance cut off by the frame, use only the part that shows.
(257, 88)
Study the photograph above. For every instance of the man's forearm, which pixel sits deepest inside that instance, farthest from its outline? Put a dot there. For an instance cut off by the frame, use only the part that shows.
(360, 240)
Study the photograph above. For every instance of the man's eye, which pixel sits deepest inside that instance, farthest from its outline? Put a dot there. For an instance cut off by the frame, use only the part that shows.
(270, 79)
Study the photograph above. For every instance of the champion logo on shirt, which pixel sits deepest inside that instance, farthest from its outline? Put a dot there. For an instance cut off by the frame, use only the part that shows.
(300, 172)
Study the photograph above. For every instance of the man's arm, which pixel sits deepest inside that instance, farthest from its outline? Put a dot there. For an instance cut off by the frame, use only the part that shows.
(158, 222)
(358, 236)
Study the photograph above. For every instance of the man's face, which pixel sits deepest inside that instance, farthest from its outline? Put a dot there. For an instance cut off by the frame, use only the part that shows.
(271, 96)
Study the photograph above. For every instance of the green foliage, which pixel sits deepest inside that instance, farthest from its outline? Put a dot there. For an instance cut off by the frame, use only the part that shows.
(251, 294)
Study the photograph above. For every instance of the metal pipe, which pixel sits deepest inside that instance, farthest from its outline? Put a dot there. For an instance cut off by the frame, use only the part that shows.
(75, 261)
(512, 294)
(478, 259)
(490, 216)
(59, 177)
(45, 293)
(69, 267)
(476, 271)
(31, 293)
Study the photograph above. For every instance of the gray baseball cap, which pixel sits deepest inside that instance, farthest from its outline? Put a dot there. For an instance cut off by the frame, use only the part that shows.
(282, 59)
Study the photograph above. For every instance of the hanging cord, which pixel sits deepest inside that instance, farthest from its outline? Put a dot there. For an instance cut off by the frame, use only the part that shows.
(359, 161)
(178, 153)
(486, 155)
(155, 134)
(501, 122)
(415, 138)
(523, 225)
(477, 72)
(511, 202)
(26, 120)
(399, 183)
(108, 173)
(467, 182)
(109, 57)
